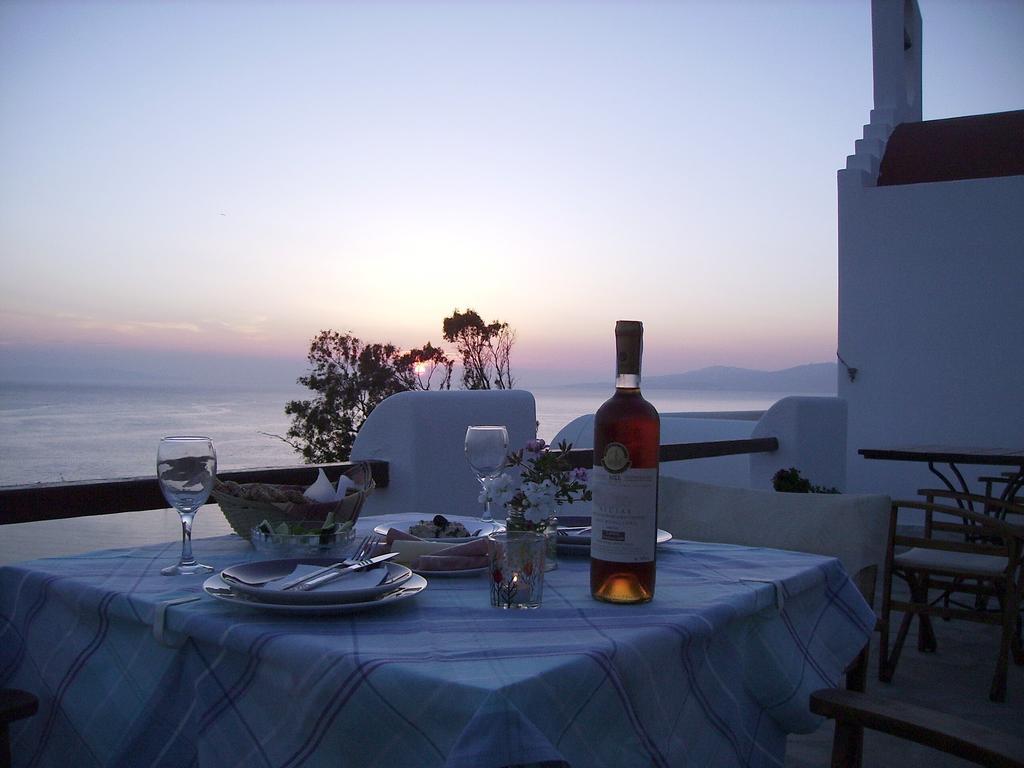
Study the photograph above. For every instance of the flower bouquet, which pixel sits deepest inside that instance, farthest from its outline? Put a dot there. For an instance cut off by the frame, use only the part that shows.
(546, 480)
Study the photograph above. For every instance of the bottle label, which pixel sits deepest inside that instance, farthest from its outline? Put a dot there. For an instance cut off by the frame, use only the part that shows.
(625, 514)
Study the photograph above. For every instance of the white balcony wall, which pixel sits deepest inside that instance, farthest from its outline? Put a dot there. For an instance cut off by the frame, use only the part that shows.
(930, 315)
(422, 434)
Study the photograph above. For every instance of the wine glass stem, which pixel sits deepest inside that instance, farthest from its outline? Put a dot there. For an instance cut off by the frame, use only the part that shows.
(487, 505)
(186, 538)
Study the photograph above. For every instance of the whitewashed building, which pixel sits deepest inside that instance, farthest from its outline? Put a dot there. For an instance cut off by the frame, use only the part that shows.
(931, 271)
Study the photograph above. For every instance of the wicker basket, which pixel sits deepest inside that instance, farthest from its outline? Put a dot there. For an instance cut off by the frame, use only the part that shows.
(244, 514)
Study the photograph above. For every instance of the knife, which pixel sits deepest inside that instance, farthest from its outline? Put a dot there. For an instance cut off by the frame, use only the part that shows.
(318, 580)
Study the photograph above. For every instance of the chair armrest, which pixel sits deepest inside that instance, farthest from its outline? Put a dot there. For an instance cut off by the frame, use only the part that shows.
(947, 733)
(996, 525)
(977, 498)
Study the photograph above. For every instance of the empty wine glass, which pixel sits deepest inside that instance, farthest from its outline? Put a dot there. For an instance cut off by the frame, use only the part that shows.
(486, 449)
(185, 467)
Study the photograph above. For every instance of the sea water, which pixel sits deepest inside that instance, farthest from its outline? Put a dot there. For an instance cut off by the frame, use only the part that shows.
(54, 432)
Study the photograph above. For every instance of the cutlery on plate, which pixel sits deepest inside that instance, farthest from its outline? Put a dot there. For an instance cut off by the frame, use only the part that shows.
(575, 530)
(363, 551)
(312, 581)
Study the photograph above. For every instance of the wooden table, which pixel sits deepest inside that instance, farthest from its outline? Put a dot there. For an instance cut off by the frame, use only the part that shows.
(951, 456)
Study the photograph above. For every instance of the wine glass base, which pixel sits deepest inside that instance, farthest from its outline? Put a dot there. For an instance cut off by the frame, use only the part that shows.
(186, 570)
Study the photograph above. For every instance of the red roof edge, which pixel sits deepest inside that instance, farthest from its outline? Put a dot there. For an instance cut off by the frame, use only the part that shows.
(974, 147)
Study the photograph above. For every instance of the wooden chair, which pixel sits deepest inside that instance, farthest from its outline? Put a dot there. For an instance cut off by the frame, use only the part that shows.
(961, 552)
(14, 705)
(1009, 482)
(853, 712)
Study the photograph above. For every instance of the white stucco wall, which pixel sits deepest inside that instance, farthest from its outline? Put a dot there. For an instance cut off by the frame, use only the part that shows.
(422, 436)
(931, 313)
(812, 437)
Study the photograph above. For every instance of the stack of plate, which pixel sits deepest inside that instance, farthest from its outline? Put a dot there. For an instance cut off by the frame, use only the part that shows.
(259, 585)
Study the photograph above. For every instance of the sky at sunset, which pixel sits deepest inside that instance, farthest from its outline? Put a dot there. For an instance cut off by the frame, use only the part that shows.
(185, 182)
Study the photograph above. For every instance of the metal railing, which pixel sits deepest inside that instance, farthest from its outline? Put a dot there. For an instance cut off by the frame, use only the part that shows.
(85, 498)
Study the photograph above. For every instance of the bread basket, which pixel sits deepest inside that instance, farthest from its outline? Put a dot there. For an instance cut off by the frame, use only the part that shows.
(246, 505)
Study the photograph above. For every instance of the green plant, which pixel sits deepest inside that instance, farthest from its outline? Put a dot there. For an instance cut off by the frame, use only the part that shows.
(790, 481)
(349, 380)
(546, 480)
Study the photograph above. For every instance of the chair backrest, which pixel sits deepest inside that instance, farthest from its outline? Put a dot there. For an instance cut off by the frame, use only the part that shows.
(854, 711)
(850, 527)
(422, 434)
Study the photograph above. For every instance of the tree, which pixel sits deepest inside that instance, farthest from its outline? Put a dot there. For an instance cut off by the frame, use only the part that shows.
(484, 348)
(423, 364)
(350, 379)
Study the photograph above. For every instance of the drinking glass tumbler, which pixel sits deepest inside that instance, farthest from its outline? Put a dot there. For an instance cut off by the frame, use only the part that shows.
(516, 568)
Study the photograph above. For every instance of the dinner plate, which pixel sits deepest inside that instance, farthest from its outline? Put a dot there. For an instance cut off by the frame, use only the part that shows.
(217, 588)
(350, 588)
(472, 524)
(576, 543)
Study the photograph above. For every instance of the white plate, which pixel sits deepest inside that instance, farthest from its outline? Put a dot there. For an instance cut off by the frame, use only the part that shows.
(472, 525)
(572, 542)
(217, 588)
(463, 572)
(351, 588)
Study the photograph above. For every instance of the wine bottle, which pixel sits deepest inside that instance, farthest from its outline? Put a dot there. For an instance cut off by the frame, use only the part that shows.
(624, 481)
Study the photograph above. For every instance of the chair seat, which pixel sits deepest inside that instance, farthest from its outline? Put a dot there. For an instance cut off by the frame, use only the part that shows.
(942, 560)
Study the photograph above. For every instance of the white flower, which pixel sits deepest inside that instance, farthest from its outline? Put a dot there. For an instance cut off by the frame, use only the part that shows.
(499, 490)
(541, 500)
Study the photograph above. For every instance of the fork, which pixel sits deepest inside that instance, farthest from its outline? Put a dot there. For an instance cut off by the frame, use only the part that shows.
(366, 546)
(326, 578)
(363, 552)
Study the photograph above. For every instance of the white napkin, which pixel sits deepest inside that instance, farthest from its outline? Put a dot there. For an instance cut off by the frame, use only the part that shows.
(344, 483)
(321, 490)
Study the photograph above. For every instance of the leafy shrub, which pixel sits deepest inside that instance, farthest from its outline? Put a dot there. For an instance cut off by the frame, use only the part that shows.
(790, 481)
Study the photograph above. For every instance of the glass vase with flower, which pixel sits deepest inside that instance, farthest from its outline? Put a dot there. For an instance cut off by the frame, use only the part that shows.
(545, 480)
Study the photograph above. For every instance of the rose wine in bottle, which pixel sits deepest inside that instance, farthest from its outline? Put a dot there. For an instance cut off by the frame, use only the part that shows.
(624, 481)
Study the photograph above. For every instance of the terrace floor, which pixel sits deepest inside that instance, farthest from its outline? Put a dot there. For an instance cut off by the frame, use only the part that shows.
(955, 679)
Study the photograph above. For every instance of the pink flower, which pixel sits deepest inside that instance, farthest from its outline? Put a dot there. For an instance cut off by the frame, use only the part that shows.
(580, 474)
(536, 445)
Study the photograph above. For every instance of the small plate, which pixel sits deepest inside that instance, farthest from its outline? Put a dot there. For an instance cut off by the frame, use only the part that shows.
(351, 588)
(472, 524)
(572, 543)
(217, 588)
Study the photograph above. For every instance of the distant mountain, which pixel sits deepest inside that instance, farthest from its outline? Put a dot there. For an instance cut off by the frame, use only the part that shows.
(811, 378)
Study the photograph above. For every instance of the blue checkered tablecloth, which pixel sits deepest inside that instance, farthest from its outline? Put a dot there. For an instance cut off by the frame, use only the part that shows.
(714, 672)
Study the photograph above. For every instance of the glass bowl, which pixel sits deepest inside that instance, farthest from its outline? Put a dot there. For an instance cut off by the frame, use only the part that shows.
(281, 545)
